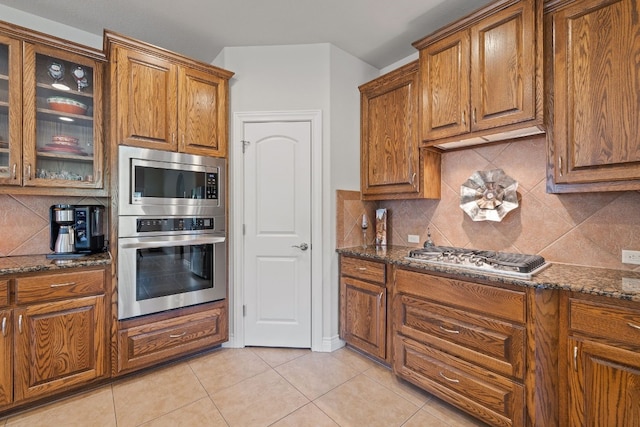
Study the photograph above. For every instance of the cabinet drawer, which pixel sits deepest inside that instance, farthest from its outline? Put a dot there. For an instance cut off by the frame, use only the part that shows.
(58, 286)
(493, 344)
(495, 399)
(159, 341)
(493, 301)
(4, 292)
(371, 271)
(618, 324)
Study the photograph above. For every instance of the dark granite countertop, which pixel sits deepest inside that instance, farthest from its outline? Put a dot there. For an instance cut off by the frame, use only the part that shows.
(32, 263)
(597, 281)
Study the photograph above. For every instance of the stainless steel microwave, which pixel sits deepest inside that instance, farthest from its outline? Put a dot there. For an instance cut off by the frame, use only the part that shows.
(155, 182)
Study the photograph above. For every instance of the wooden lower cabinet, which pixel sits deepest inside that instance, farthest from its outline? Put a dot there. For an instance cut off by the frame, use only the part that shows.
(6, 347)
(363, 305)
(464, 342)
(59, 345)
(603, 362)
(144, 343)
(54, 334)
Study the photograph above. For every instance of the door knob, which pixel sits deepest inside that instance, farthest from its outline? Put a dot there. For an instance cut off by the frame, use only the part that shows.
(301, 246)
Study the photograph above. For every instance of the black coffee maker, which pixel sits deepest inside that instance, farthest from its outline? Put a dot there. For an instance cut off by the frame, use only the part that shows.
(76, 229)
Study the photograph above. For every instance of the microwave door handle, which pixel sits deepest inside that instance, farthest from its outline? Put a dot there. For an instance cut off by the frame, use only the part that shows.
(161, 243)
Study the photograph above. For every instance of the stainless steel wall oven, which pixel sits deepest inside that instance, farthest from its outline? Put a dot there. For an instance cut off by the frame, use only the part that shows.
(172, 249)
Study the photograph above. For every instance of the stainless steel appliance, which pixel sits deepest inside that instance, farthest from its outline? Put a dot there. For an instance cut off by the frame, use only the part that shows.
(154, 182)
(500, 263)
(172, 249)
(76, 229)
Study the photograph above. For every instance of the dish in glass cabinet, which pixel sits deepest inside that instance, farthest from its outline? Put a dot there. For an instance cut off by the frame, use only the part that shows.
(66, 105)
(489, 195)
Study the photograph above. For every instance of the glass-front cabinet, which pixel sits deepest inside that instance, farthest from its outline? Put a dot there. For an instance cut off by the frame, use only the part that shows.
(10, 111)
(62, 110)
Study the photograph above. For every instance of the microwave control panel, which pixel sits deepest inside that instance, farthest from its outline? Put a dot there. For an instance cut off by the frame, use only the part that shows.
(146, 225)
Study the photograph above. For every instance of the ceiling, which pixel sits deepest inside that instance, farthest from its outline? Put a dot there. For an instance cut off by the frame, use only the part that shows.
(379, 32)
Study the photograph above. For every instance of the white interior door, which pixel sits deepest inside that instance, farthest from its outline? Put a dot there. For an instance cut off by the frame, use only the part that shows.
(277, 233)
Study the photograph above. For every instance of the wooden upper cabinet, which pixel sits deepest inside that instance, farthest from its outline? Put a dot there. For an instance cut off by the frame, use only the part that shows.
(147, 87)
(481, 78)
(595, 137)
(503, 60)
(166, 101)
(444, 70)
(392, 166)
(10, 111)
(202, 113)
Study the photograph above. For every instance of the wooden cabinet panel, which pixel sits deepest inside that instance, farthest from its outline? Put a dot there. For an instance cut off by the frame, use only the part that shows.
(59, 286)
(147, 88)
(202, 113)
(391, 164)
(6, 359)
(599, 320)
(59, 345)
(481, 78)
(154, 342)
(496, 345)
(503, 63)
(491, 398)
(498, 302)
(4, 293)
(444, 73)
(596, 113)
(364, 321)
(10, 111)
(604, 385)
(372, 271)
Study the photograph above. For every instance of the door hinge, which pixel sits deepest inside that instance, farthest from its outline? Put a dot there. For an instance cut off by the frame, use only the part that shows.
(245, 143)
(244, 310)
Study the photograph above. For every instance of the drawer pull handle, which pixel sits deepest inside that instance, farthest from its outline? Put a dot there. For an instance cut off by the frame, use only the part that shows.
(4, 326)
(20, 323)
(451, 331)
(451, 380)
(60, 285)
(362, 268)
(178, 335)
(633, 326)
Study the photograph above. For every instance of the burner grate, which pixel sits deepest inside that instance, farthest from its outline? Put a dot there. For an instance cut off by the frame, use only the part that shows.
(490, 261)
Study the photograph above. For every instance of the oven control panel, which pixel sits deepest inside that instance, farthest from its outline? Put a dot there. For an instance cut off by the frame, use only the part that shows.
(146, 225)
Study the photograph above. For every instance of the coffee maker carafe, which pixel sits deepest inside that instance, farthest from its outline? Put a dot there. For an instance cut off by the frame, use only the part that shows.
(62, 220)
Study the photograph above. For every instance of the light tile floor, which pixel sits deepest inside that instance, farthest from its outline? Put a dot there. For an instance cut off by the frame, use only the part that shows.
(253, 387)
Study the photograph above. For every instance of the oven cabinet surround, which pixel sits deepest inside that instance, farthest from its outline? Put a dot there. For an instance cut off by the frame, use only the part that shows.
(594, 113)
(30, 161)
(392, 164)
(165, 101)
(363, 306)
(56, 330)
(154, 339)
(481, 77)
(601, 361)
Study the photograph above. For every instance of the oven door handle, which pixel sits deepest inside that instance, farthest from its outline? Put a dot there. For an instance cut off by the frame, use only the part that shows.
(168, 241)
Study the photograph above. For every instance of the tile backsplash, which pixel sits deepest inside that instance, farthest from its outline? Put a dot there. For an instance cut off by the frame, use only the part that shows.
(583, 228)
(24, 221)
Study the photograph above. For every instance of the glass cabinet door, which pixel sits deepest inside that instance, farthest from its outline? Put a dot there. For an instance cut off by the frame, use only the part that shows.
(63, 119)
(10, 112)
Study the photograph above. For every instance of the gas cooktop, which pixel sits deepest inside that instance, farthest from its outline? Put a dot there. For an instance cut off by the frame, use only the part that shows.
(500, 263)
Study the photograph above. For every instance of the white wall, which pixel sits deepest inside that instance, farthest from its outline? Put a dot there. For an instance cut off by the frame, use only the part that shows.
(47, 26)
(306, 77)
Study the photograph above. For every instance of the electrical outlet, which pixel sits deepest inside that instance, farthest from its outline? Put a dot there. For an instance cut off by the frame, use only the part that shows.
(413, 238)
(630, 257)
